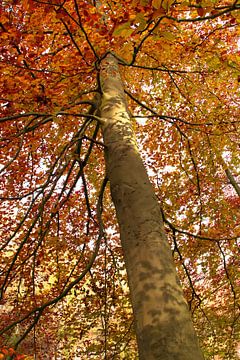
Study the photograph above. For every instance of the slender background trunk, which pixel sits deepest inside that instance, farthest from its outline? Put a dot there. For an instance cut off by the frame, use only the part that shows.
(163, 325)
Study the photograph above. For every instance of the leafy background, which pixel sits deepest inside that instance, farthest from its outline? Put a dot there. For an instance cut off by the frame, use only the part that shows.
(180, 64)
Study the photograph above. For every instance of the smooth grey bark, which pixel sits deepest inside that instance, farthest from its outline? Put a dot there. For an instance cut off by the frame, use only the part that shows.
(163, 324)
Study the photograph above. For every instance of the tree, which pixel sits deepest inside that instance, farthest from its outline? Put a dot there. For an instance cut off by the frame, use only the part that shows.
(63, 276)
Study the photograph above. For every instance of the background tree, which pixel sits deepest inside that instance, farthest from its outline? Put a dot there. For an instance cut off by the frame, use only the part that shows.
(63, 280)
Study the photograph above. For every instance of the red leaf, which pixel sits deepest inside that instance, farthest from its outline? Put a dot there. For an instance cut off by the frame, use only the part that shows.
(201, 11)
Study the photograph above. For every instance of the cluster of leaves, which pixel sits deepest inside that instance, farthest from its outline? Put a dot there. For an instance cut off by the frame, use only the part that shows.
(7, 353)
(63, 282)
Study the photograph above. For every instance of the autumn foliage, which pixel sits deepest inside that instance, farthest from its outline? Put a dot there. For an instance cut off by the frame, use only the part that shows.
(63, 284)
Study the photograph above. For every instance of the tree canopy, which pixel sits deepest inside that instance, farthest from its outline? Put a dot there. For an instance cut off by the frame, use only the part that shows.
(63, 284)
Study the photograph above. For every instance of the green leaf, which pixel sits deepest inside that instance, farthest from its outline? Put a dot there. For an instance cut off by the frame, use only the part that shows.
(140, 19)
(123, 30)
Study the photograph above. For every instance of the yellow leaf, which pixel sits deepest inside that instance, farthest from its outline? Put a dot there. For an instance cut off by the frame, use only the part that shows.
(166, 4)
(156, 4)
(168, 35)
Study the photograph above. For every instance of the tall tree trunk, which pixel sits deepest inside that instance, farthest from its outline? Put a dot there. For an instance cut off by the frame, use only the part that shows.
(163, 324)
